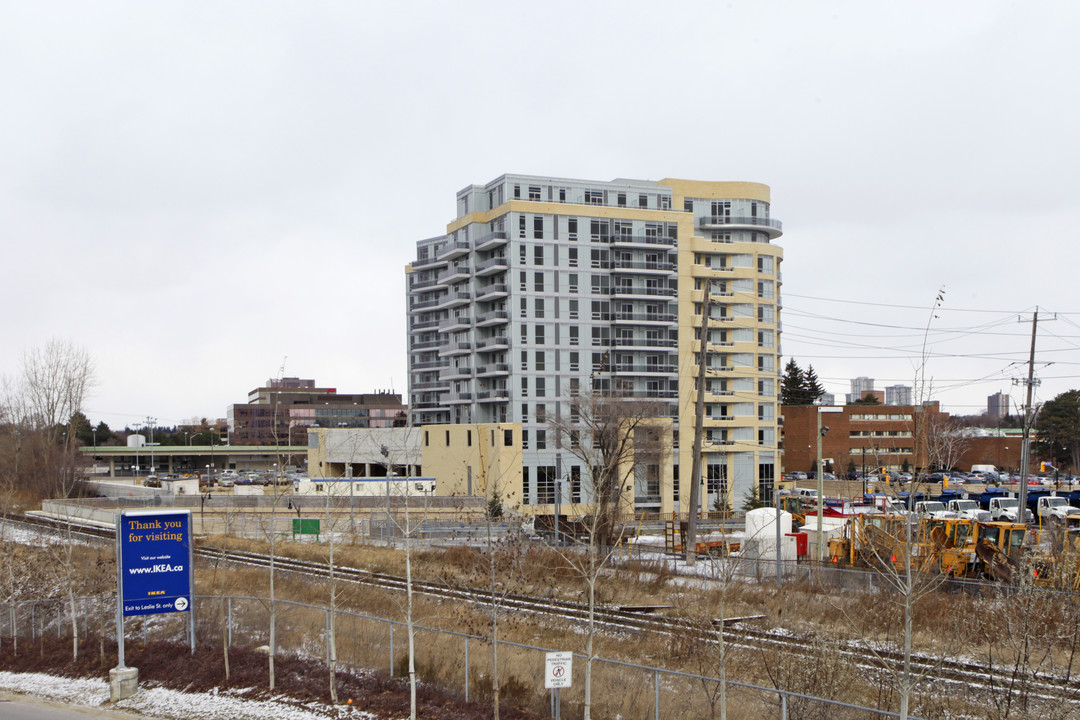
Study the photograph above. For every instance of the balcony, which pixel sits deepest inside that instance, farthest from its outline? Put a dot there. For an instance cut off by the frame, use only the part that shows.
(456, 373)
(493, 240)
(492, 266)
(455, 274)
(455, 299)
(461, 322)
(646, 318)
(426, 344)
(645, 342)
(458, 398)
(637, 240)
(431, 385)
(646, 369)
(642, 266)
(498, 342)
(495, 317)
(630, 290)
(424, 324)
(456, 249)
(429, 405)
(491, 292)
(423, 285)
(455, 348)
(423, 304)
(427, 262)
(496, 369)
(433, 365)
(723, 222)
(496, 395)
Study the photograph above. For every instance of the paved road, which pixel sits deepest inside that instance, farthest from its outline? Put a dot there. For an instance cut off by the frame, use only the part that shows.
(17, 708)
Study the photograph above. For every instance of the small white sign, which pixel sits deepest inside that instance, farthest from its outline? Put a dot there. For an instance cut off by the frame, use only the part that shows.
(558, 669)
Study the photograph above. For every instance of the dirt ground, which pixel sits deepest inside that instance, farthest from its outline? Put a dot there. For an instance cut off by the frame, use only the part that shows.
(170, 665)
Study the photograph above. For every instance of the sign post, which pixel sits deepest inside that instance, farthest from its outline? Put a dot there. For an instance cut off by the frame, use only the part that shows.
(154, 557)
(558, 673)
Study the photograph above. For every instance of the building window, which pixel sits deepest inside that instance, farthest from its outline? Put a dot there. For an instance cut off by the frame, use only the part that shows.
(521, 226)
(541, 387)
(573, 257)
(541, 438)
(538, 282)
(562, 194)
(594, 197)
(539, 361)
(539, 303)
(573, 334)
(538, 226)
(575, 484)
(575, 361)
(534, 192)
(525, 489)
(643, 201)
(539, 334)
(622, 199)
(571, 228)
(517, 191)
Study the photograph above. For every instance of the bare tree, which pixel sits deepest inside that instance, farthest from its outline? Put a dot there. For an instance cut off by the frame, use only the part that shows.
(946, 441)
(55, 380)
(611, 435)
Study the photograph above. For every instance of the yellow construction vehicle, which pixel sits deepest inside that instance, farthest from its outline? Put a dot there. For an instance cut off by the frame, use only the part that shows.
(997, 549)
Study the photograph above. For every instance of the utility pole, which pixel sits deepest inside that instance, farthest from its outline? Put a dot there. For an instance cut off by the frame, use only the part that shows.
(690, 541)
(1029, 420)
(151, 422)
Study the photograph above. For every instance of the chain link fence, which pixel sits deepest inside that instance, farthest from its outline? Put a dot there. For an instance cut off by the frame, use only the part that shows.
(457, 660)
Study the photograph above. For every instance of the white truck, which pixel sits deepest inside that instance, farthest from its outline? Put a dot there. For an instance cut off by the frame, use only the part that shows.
(933, 509)
(969, 510)
(1007, 509)
(1055, 508)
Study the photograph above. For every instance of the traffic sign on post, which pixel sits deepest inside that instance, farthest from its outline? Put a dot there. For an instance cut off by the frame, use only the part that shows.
(558, 669)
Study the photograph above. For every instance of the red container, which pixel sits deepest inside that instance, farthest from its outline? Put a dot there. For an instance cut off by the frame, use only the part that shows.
(802, 544)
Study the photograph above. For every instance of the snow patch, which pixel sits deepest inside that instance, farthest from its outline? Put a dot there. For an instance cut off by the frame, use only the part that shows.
(171, 704)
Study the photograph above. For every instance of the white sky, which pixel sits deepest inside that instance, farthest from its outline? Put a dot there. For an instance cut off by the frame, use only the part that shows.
(194, 190)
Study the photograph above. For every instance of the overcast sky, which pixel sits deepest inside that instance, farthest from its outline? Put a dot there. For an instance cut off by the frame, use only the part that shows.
(194, 191)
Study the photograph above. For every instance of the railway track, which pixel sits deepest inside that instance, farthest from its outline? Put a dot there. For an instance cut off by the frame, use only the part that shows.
(737, 633)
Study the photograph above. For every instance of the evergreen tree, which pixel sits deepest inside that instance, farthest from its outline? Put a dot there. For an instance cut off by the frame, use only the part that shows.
(793, 385)
(752, 501)
(812, 385)
(1058, 429)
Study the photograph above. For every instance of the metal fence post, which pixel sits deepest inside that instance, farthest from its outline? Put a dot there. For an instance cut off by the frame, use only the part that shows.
(327, 638)
(391, 649)
(60, 617)
(783, 706)
(656, 694)
(466, 668)
(229, 627)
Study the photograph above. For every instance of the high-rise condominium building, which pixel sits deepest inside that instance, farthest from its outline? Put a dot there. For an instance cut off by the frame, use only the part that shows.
(898, 395)
(543, 289)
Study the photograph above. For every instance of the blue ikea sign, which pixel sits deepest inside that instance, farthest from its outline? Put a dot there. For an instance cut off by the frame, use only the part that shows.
(154, 556)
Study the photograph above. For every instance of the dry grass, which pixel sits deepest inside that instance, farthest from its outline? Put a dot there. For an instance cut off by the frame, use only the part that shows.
(947, 625)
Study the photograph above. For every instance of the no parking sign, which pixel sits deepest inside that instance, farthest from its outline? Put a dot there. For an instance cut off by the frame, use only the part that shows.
(558, 669)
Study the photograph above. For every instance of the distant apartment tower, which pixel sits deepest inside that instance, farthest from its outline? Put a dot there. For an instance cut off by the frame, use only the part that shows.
(997, 405)
(859, 387)
(898, 395)
(544, 288)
